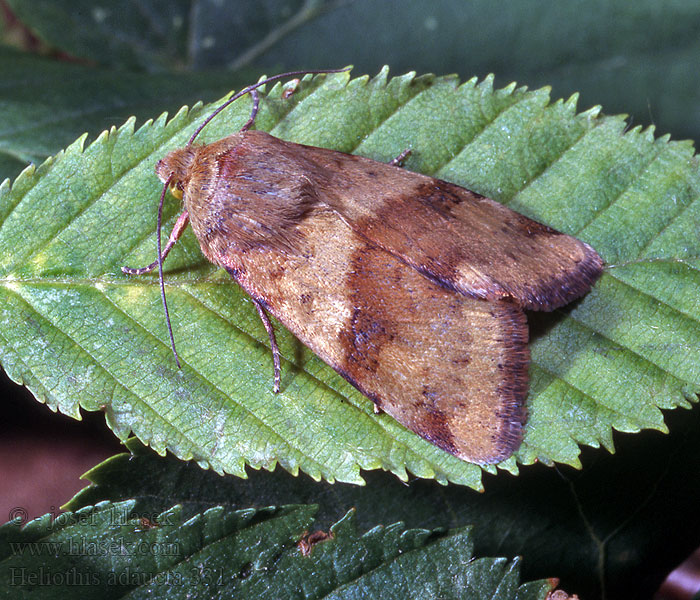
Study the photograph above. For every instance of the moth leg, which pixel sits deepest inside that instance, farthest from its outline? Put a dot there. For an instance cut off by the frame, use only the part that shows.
(175, 234)
(399, 160)
(273, 343)
(254, 112)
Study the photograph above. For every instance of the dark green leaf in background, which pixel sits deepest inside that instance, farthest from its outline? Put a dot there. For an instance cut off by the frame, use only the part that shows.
(45, 104)
(106, 551)
(633, 57)
(128, 34)
(613, 530)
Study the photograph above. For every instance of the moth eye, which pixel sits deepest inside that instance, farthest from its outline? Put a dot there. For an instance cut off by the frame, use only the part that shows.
(176, 191)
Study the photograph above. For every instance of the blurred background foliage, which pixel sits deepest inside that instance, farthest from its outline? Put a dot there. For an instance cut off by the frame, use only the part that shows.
(144, 56)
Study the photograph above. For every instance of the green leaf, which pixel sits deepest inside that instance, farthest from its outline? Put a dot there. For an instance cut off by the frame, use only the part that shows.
(633, 57)
(110, 552)
(638, 57)
(627, 535)
(46, 104)
(78, 333)
(143, 34)
(152, 34)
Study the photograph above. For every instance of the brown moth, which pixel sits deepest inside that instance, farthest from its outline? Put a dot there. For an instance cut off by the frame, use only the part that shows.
(412, 288)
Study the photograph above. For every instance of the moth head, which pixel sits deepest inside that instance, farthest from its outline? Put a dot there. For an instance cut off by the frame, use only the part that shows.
(176, 166)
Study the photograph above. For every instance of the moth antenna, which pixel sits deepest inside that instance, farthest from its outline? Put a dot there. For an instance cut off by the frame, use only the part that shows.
(159, 227)
(255, 86)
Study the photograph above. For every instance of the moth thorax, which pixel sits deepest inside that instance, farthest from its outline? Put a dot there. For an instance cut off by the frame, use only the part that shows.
(178, 164)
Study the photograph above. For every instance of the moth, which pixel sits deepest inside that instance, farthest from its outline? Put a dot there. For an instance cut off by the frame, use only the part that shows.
(412, 288)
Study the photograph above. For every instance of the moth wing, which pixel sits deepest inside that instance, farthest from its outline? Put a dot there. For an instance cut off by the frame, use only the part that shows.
(453, 369)
(461, 239)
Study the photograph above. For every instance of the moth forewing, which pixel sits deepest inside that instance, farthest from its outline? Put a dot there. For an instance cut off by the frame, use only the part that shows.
(450, 368)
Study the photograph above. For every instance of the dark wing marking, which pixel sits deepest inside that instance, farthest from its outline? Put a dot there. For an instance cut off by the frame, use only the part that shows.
(451, 368)
(456, 237)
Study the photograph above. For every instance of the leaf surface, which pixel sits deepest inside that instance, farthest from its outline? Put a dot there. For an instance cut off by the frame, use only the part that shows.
(628, 535)
(79, 333)
(633, 57)
(45, 104)
(111, 552)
